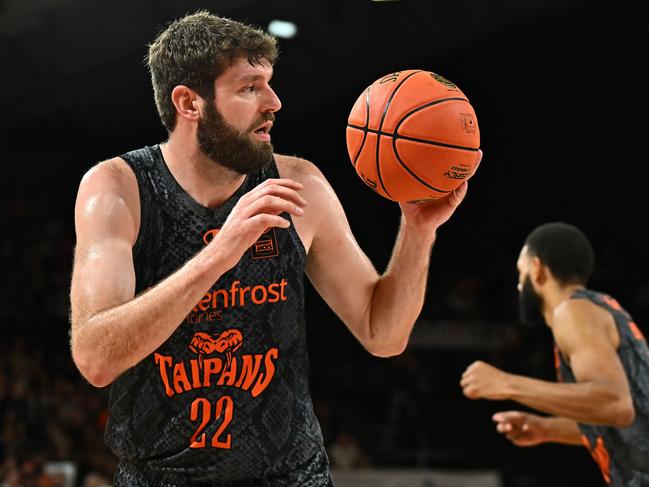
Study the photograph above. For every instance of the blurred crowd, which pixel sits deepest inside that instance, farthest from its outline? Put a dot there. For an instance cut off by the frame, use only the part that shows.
(48, 413)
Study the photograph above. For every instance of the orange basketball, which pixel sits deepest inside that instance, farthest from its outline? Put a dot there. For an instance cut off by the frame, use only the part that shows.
(413, 135)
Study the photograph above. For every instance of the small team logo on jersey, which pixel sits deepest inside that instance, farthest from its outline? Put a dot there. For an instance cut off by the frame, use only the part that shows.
(266, 245)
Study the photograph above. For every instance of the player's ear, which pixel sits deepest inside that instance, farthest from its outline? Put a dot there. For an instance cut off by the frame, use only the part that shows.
(187, 103)
(539, 273)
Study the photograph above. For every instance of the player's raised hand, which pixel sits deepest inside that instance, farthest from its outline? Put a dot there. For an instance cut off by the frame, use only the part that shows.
(522, 429)
(254, 213)
(429, 215)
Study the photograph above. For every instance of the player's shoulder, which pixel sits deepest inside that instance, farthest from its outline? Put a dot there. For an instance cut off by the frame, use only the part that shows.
(315, 185)
(108, 186)
(322, 199)
(577, 310)
(113, 172)
(297, 168)
(581, 316)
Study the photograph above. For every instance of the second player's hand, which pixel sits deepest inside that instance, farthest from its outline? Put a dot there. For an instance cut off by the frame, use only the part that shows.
(255, 212)
(483, 381)
(522, 429)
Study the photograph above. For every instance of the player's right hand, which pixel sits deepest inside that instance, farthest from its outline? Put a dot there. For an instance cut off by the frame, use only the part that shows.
(254, 213)
(522, 429)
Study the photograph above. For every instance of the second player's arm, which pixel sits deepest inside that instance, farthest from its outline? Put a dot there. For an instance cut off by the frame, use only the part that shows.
(601, 393)
(527, 429)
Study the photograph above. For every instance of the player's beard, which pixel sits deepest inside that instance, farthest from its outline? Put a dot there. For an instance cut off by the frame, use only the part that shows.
(530, 305)
(228, 147)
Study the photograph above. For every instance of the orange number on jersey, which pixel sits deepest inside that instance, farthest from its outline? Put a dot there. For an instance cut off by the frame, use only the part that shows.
(225, 407)
(224, 411)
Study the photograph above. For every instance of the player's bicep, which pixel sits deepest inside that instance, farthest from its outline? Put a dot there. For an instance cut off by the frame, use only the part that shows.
(598, 362)
(581, 334)
(103, 277)
(103, 274)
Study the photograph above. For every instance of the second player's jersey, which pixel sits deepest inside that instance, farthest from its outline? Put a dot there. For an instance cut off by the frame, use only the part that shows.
(226, 397)
(621, 453)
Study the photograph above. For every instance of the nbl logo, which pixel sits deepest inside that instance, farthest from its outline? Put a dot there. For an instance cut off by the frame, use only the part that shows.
(469, 123)
(265, 246)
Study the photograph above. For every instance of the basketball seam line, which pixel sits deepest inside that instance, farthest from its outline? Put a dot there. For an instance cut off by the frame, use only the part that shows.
(396, 130)
(413, 139)
(412, 173)
(403, 118)
(385, 111)
(395, 136)
(426, 105)
(367, 123)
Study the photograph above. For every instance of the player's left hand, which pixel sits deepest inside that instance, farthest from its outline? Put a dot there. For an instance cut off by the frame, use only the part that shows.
(483, 381)
(427, 216)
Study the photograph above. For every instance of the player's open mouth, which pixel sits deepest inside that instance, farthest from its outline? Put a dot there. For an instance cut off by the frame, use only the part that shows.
(263, 131)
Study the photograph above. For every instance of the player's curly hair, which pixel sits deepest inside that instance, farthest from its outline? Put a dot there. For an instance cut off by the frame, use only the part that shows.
(565, 249)
(194, 50)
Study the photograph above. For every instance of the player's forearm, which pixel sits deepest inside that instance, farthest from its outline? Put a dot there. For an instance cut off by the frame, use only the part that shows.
(111, 341)
(399, 293)
(562, 430)
(585, 402)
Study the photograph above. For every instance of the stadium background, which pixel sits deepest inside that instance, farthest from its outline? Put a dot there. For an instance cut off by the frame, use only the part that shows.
(561, 105)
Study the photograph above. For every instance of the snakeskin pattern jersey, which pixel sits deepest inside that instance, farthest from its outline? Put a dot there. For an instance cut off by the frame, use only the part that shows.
(225, 400)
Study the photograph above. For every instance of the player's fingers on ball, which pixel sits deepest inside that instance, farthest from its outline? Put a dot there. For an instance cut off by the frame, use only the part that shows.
(458, 194)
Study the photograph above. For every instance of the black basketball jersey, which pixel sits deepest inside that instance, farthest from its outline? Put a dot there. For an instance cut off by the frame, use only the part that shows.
(225, 400)
(621, 453)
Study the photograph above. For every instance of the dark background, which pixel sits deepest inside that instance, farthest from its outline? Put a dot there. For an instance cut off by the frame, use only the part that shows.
(561, 103)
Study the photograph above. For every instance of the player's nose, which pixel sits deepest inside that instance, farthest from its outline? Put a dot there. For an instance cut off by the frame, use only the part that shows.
(272, 102)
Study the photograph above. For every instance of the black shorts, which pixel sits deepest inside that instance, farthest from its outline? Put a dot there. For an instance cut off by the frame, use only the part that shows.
(315, 473)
